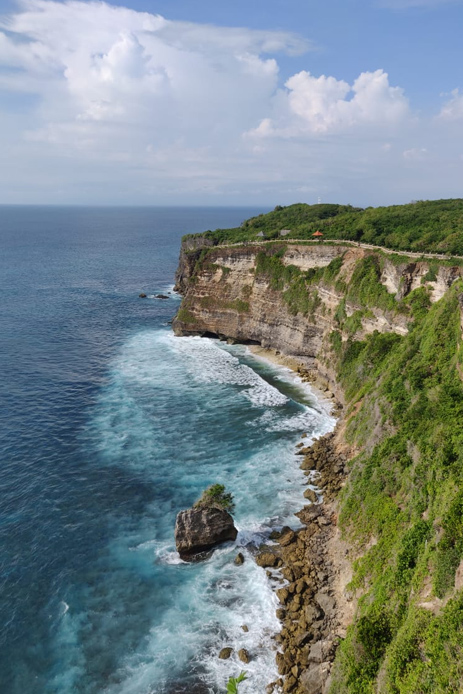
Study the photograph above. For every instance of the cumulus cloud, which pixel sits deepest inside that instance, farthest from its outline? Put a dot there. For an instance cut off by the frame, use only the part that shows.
(326, 105)
(92, 64)
(107, 104)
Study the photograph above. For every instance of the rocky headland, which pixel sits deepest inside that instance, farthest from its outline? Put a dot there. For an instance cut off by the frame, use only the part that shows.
(198, 530)
(235, 293)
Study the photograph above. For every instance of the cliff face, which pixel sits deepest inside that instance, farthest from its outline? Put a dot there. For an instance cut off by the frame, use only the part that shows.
(190, 251)
(228, 295)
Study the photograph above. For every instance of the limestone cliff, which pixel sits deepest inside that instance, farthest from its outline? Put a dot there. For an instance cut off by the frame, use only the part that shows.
(228, 295)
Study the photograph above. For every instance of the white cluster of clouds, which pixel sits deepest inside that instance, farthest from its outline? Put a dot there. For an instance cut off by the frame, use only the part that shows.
(323, 104)
(115, 102)
(91, 63)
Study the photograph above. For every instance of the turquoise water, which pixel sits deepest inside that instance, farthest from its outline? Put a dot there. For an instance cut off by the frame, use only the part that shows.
(109, 426)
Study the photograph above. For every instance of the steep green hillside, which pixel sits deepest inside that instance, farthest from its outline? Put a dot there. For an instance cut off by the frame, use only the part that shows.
(403, 506)
(424, 226)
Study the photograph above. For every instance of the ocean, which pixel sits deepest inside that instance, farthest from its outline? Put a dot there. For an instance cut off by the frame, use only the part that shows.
(109, 425)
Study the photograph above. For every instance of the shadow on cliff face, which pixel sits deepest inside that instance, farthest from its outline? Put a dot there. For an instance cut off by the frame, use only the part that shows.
(229, 340)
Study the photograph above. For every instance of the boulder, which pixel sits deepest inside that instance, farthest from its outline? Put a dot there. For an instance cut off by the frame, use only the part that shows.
(198, 530)
(283, 595)
(142, 296)
(312, 680)
(239, 559)
(225, 653)
(243, 655)
(161, 296)
(326, 602)
(311, 495)
(267, 559)
(287, 538)
(282, 665)
(289, 684)
(313, 613)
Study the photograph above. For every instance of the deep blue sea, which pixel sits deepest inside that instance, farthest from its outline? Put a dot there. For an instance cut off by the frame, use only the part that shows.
(109, 425)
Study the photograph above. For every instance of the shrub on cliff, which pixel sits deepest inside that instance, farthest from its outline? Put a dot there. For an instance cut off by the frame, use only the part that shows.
(215, 496)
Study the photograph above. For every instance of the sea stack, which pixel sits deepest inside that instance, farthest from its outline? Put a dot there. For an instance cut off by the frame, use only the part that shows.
(207, 524)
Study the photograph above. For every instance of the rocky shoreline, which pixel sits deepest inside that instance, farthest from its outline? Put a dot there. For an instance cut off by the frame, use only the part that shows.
(315, 608)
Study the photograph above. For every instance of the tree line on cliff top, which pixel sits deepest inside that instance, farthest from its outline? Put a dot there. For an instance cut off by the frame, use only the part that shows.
(424, 226)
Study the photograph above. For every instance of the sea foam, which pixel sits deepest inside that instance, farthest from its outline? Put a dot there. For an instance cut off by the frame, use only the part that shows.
(179, 414)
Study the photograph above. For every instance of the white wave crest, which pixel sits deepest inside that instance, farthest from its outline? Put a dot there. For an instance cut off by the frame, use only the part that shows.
(208, 363)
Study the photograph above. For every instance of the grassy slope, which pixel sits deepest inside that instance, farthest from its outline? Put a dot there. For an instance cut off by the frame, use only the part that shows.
(406, 492)
(403, 506)
(434, 226)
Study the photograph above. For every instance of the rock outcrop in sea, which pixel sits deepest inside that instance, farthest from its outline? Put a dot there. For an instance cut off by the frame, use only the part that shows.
(198, 530)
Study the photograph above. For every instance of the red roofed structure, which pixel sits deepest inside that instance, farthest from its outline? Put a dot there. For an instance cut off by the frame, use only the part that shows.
(317, 234)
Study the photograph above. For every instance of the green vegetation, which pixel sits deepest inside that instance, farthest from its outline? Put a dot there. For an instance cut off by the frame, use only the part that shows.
(403, 505)
(365, 289)
(233, 682)
(215, 496)
(297, 286)
(424, 226)
(186, 316)
(402, 508)
(211, 302)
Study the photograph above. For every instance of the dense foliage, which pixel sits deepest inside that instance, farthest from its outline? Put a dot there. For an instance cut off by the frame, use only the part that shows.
(403, 505)
(215, 496)
(434, 226)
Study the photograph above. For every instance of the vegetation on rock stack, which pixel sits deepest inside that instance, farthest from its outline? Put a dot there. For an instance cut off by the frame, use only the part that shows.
(429, 225)
(215, 496)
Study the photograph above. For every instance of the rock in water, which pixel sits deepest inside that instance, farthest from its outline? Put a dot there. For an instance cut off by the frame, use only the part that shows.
(200, 529)
(225, 653)
(243, 655)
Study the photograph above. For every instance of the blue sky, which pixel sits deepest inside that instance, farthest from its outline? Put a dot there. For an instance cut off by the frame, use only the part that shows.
(256, 102)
